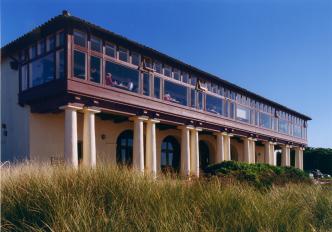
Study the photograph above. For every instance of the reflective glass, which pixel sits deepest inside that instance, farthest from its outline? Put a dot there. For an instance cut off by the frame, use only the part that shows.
(95, 44)
(213, 104)
(156, 87)
(42, 70)
(95, 69)
(79, 64)
(80, 38)
(146, 84)
(297, 131)
(242, 114)
(283, 126)
(265, 120)
(110, 50)
(175, 93)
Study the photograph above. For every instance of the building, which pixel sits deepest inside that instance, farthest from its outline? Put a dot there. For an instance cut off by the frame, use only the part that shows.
(75, 92)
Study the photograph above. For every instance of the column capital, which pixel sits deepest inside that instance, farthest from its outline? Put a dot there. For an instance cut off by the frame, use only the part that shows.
(189, 127)
(71, 107)
(227, 134)
(153, 120)
(139, 118)
(94, 110)
(198, 128)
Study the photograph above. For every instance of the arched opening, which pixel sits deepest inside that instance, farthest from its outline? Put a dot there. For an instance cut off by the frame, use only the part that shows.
(170, 155)
(204, 154)
(124, 148)
(234, 153)
(279, 158)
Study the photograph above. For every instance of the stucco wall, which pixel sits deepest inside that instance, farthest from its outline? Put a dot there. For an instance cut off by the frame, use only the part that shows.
(14, 118)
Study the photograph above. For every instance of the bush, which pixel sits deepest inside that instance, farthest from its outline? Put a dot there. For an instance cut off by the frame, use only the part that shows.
(259, 175)
(35, 198)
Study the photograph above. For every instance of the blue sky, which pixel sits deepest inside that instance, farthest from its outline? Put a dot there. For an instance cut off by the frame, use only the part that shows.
(281, 49)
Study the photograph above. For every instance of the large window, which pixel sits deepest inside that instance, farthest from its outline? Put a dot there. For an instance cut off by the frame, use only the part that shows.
(121, 77)
(156, 89)
(95, 65)
(200, 103)
(60, 68)
(242, 114)
(80, 38)
(213, 104)
(42, 70)
(265, 120)
(124, 148)
(193, 98)
(135, 58)
(170, 154)
(123, 54)
(146, 84)
(297, 131)
(283, 126)
(79, 64)
(96, 44)
(175, 93)
(110, 50)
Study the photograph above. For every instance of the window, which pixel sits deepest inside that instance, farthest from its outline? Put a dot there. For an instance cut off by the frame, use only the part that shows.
(51, 43)
(158, 67)
(148, 63)
(232, 110)
(156, 87)
(42, 70)
(146, 84)
(41, 47)
(110, 50)
(80, 38)
(226, 109)
(265, 120)
(200, 101)
(242, 114)
(193, 80)
(176, 74)
(96, 44)
(193, 98)
(213, 104)
(123, 54)
(283, 126)
(79, 65)
(185, 77)
(175, 93)
(170, 154)
(24, 77)
(33, 51)
(121, 77)
(95, 69)
(297, 131)
(124, 148)
(60, 39)
(60, 64)
(135, 58)
(167, 71)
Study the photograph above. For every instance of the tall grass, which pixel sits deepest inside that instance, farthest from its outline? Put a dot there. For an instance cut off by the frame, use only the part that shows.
(35, 198)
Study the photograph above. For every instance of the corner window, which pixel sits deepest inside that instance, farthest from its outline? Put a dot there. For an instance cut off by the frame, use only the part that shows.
(242, 114)
(123, 54)
(96, 44)
(156, 87)
(265, 120)
(175, 93)
(79, 64)
(60, 38)
(213, 104)
(110, 50)
(80, 38)
(60, 64)
(146, 84)
(135, 58)
(42, 70)
(121, 77)
(95, 64)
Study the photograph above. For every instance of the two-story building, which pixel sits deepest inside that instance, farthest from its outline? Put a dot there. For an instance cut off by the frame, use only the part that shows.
(75, 92)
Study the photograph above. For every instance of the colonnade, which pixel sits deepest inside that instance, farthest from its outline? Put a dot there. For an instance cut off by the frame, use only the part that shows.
(145, 155)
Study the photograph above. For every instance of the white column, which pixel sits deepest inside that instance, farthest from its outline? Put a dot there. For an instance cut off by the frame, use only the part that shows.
(299, 157)
(220, 156)
(253, 151)
(194, 148)
(185, 150)
(151, 150)
(70, 140)
(269, 153)
(285, 156)
(227, 145)
(89, 137)
(138, 145)
(246, 150)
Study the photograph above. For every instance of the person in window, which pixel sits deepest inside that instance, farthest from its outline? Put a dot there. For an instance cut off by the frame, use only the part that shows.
(167, 97)
(130, 85)
(109, 80)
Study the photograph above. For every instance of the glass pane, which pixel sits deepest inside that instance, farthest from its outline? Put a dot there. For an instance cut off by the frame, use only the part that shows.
(123, 54)
(158, 67)
(200, 100)
(80, 38)
(79, 64)
(163, 158)
(95, 44)
(110, 50)
(193, 98)
(51, 43)
(265, 120)
(61, 39)
(283, 126)
(42, 70)
(33, 52)
(213, 104)
(60, 64)
(135, 58)
(41, 47)
(167, 71)
(242, 114)
(176, 74)
(297, 131)
(185, 77)
(24, 76)
(232, 110)
(95, 69)
(156, 87)
(175, 93)
(193, 80)
(226, 109)
(121, 77)
(146, 84)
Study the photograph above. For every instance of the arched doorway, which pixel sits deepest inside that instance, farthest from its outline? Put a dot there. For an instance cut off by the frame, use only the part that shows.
(170, 155)
(124, 148)
(204, 154)
(234, 153)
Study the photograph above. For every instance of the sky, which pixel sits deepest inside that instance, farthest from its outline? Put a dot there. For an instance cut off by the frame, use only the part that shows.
(280, 49)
